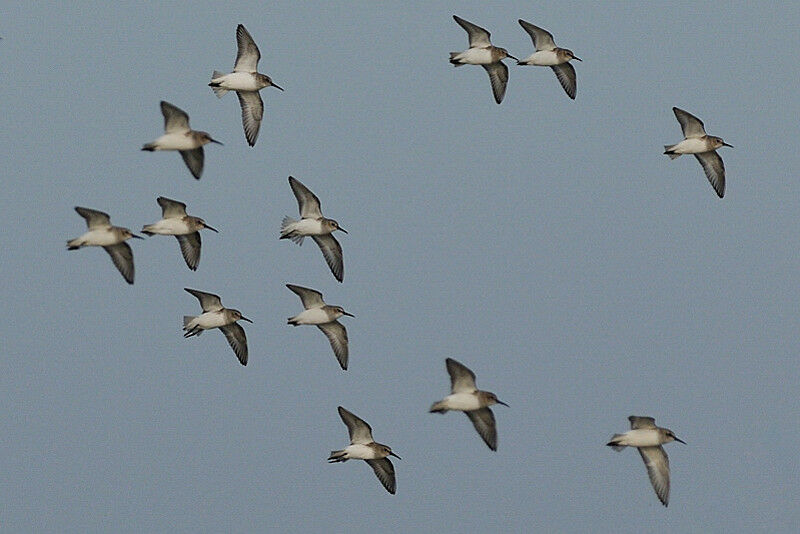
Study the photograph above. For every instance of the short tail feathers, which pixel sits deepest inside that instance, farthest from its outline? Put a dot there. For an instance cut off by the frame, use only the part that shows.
(453, 60)
(219, 91)
(292, 321)
(149, 147)
(288, 233)
(190, 332)
(668, 151)
(73, 244)
(614, 442)
(337, 456)
(146, 231)
(438, 407)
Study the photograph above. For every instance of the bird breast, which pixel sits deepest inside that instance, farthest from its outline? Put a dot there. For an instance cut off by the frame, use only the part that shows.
(643, 437)
(476, 56)
(176, 226)
(240, 81)
(692, 145)
(464, 402)
(361, 452)
(312, 316)
(210, 320)
(544, 58)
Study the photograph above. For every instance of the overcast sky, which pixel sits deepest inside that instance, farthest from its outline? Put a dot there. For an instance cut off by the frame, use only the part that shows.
(545, 243)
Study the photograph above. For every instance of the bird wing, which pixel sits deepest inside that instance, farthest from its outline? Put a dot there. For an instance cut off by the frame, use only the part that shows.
(209, 302)
(307, 201)
(478, 37)
(657, 463)
(566, 76)
(94, 218)
(498, 76)
(332, 251)
(483, 421)
(252, 112)
(234, 333)
(462, 380)
(360, 431)
(171, 209)
(542, 39)
(714, 169)
(384, 470)
(190, 248)
(311, 298)
(122, 256)
(175, 119)
(691, 125)
(194, 160)
(337, 335)
(247, 54)
(638, 422)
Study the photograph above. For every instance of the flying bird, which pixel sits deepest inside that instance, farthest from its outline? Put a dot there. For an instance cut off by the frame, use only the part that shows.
(175, 221)
(247, 82)
(313, 224)
(703, 146)
(323, 317)
(482, 52)
(111, 238)
(363, 447)
(178, 136)
(216, 316)
(466, 397)
(648, 438)
(549, 55)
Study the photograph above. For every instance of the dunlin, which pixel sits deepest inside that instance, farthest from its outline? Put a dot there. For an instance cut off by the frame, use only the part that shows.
(363, 447)
(648, 438)
(111, 238)
(313, 224)
(247, 83)
(467, 398)
(178, 136)
(703, 146)
(482, 52)
(185, 228)
(549, 55)
(216, 316)
(323, 317)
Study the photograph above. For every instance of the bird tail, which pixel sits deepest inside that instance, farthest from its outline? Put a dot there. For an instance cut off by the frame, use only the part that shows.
(287, 232)
(438, 407)
(614, 442)
(219, 91)
(149, 147)
(190, 331)
(337, 456)
(74, 244)
(453, 59)
(292, 321)
(147, 229)
(668, 151)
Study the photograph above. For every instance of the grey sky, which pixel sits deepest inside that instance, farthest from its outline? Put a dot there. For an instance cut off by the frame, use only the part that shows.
(546, 244)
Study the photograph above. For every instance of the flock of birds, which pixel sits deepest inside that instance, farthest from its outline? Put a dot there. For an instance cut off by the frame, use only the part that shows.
(465, 397)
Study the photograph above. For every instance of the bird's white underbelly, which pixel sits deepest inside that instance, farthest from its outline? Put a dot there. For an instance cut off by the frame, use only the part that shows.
(691, 146)
(208, 320)
(169, 227)
(543, 58)
(176, 141)
(475, 56)
(642, 437)
(238, 81)
(100, 237)
(361, 452)
(309, 227)
(464, 402)
(312, 316)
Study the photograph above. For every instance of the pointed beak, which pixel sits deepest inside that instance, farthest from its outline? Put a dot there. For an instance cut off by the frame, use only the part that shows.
(277, 87)
(348, 314)
(393, 454)
(207, 227)
(215, 141)
(512, 57)
(575, 57)
(246, 319)
(680, 441)
(343, 230)
(726, 144)
(136, 236)
(503, 403)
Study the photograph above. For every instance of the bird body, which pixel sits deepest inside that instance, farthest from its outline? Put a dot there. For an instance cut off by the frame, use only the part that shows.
(648, 439)
(482, 52)
(315, 316)
(547, 54)
(185, 228)
(216, 316)
(545, 58)
(112, 238)
(296, 230)
(324, 317)
(247, 83)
